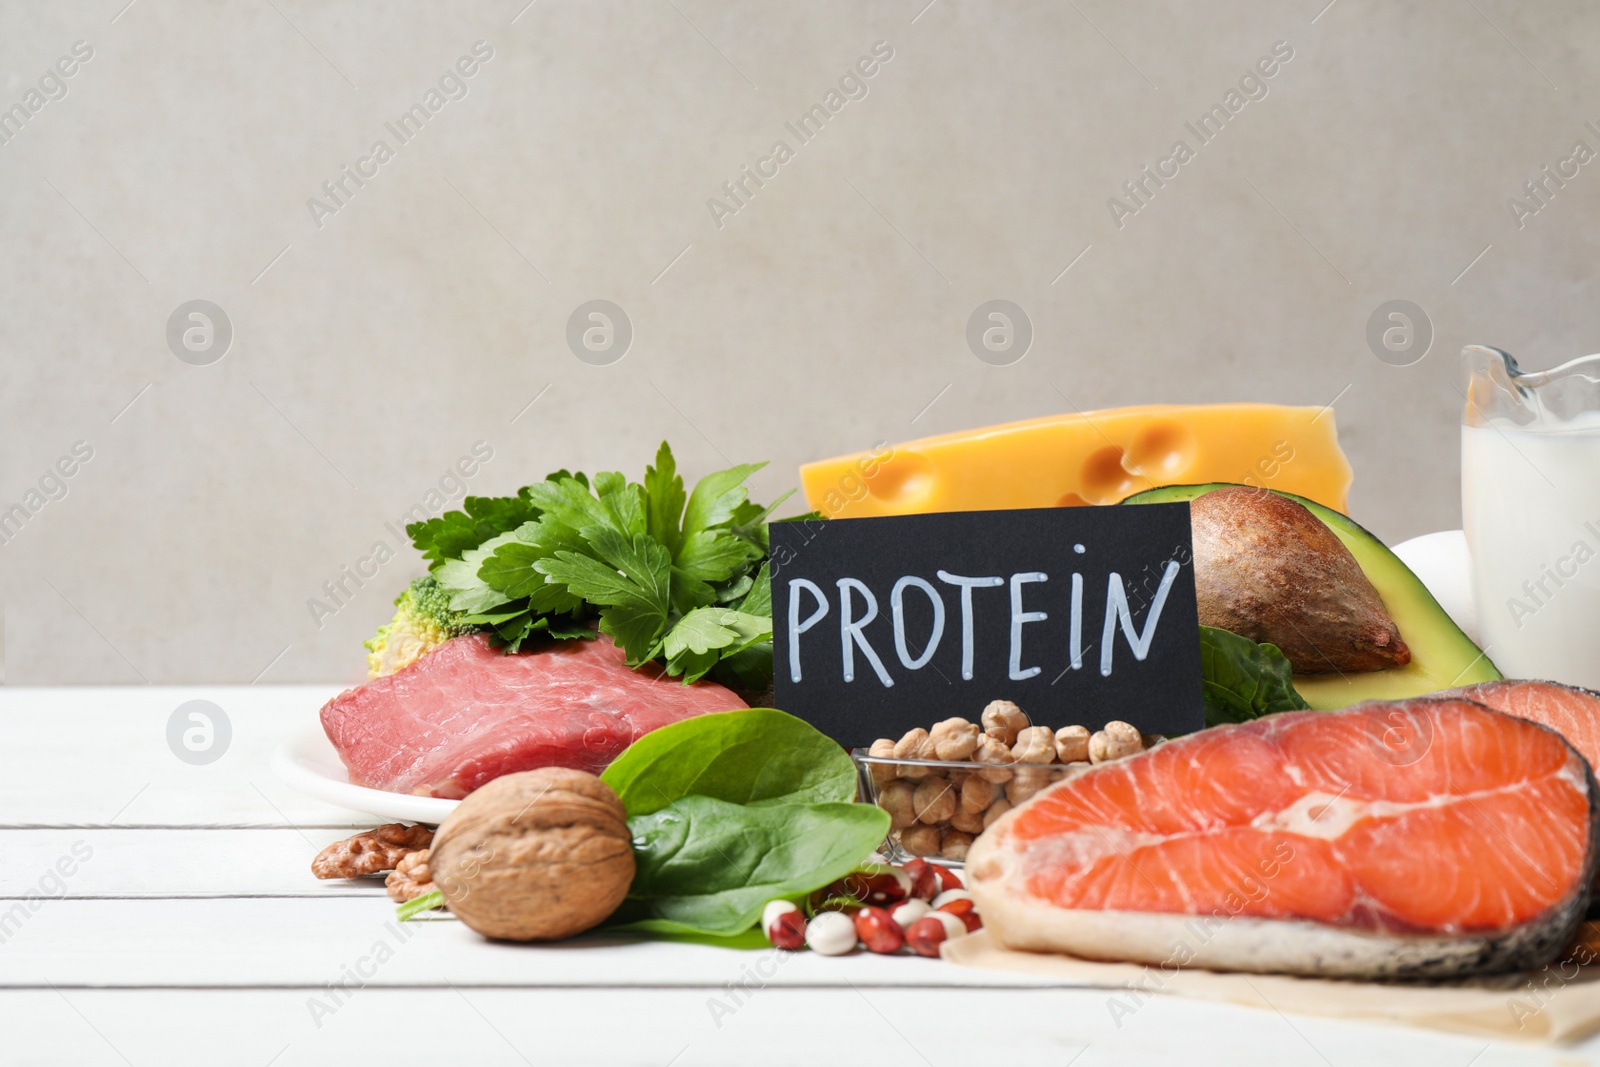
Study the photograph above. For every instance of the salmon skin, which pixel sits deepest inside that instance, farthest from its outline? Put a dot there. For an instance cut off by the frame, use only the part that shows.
(1428, 838)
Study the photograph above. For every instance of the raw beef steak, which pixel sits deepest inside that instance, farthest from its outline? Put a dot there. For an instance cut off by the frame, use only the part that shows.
(466, 713)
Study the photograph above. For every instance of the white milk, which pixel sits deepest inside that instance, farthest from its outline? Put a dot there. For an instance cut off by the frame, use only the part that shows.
(1531, 507)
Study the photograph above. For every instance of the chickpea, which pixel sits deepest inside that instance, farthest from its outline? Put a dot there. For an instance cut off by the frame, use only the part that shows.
(977, 794)
(954, 845)
(1036, 744)
(882, 773)
(914, 745)
(934, 801)
(968, 822)
(997, 809)
(1029, 780)
(1072, 744)
(995, 753)
(920, 840)
(1117, 740)
(896, 799)
(1003, 720)
(954, 739)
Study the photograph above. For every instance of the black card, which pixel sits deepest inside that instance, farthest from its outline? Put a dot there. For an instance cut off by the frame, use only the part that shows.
(885, 624)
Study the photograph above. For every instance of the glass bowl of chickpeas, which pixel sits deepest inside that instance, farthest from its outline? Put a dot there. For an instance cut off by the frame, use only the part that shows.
(944, 786)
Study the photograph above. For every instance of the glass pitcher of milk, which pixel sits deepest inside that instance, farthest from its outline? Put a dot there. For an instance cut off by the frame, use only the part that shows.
(1530, 502)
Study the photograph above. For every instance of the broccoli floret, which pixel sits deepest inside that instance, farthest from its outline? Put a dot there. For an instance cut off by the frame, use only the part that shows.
(422, 622)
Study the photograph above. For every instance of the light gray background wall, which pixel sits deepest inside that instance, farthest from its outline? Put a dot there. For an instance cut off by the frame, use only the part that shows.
(372, 351)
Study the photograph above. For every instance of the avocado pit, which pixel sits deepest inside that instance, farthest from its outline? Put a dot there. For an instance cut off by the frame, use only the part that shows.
(1268, 569)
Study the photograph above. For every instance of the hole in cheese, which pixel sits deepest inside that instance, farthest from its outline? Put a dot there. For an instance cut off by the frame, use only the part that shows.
(1161, 451)
(1104, 478)
(906, 479)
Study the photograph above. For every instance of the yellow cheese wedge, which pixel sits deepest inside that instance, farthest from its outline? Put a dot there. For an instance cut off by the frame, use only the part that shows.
(1096, 457)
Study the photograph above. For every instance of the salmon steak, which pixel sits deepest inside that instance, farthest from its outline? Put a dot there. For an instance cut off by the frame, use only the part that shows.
(467, 713)
(1427, 838)
(1572, 712)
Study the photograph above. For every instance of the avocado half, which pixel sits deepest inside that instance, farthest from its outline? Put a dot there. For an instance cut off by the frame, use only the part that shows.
(1442, 657)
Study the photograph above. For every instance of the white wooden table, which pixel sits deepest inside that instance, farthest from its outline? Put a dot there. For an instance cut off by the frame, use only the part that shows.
(189, 930)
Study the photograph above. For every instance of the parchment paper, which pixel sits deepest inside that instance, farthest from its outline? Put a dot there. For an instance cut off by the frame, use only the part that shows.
(1558, 1004)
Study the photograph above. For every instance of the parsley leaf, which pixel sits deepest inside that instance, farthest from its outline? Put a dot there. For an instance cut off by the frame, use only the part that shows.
(680, 577)
(714, 556)
(664, 489)
(568, 501)
(512, 570)
(716, 498)
(706, 635)
(447, 536)
(459, 578)
(733, 590)
(623, 500)
(631, 582)
(759, 599)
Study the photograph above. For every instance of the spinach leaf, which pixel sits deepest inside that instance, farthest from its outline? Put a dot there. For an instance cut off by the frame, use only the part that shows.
(708, 866)
(758, 756)
(1244, 680)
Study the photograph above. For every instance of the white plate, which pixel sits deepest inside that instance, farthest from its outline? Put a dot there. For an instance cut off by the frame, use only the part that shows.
(307, 762)
(1441, 561)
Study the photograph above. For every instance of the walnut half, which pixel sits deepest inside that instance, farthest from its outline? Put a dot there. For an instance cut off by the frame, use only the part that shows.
(371, 852)
(410, 878)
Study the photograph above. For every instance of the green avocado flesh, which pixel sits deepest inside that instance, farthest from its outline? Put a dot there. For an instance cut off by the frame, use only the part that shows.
(1442, 657)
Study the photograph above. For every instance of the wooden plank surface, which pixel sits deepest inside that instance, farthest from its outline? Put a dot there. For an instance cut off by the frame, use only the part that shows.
(99, 756)
(83, 862)
(772, 1027)
(281, 941)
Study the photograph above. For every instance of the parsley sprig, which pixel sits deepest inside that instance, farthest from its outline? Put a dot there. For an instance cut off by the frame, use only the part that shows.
(680, 577)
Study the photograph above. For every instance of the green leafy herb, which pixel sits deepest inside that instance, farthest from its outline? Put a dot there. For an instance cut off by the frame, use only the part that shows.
(454, 532)
(671, 575)
(706, 635)
(664, 492)
(708, 866)
(749, 670)
(1244, 680)
(758, 601)
(757, 757)
(630, 582)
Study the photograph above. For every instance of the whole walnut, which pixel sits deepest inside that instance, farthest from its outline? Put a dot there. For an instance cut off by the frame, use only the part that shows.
(535, 856)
